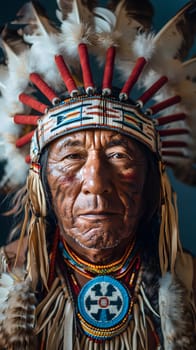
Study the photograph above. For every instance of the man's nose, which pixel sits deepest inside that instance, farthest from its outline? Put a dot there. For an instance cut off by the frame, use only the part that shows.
(97, 177)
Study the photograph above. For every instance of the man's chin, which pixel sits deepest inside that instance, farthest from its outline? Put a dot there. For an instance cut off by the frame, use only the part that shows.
(97, 245)
(97, 250)
(95, 238)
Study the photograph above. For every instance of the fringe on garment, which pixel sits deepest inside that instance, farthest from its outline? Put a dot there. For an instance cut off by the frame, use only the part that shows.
(169, 241)
(57, 324)
(176, 318)
(56, 321)
(37, 259)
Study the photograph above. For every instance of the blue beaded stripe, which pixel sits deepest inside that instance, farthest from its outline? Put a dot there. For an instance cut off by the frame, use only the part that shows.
(81, 267)
(93, 112)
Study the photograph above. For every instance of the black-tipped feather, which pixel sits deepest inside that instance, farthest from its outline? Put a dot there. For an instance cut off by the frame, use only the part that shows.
(66, 6)
(178, 34)
(140, 10)
(34, 20)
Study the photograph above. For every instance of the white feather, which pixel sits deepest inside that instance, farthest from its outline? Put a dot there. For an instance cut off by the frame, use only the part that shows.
(15, 82)
(43, 50)
(143, 45)
(114, 29)
(72, 35)
(3, 76)
(3, 295)
(42, 35)
(106, 33)
(7, 125)
(105, 20)
(76, 28)
(15, 169)
(6, 281)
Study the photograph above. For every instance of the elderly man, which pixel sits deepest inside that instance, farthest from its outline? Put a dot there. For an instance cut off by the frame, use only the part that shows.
(99, 264)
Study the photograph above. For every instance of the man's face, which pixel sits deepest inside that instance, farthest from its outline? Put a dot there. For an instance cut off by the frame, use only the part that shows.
(96, 179)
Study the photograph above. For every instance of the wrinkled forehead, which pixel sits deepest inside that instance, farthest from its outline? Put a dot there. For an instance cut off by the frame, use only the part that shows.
(96, 139)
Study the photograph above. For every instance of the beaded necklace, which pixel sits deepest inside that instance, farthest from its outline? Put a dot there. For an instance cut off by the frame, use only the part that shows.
(117, 269)
(107, 311)
(104, 305)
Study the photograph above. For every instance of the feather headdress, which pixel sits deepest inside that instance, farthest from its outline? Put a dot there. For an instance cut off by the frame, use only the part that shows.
(121, 33)
(56, 95)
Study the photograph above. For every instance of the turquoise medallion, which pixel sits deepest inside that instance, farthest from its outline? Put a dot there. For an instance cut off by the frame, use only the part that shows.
(103, 307)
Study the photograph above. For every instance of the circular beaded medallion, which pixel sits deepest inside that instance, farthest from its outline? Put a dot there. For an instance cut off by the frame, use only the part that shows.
(103, 307)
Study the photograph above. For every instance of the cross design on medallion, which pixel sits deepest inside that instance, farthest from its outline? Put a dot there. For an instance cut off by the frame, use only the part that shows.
(103, 302)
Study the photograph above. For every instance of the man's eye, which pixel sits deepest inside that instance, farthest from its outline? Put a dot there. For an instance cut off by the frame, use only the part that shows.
(117, 155)
(74, 156)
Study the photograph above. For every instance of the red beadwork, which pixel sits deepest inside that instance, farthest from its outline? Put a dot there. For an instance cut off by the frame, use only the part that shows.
(85, 65)
(26, 119)
(168, 144)
(169, 132)
(28, 159)
(66, 75)
(171, 118)
(108, 71)
(31, 102)
(136, 71)
(146, 96)
(24, 139)
(174, 154)
(44, 88)
(164, 104)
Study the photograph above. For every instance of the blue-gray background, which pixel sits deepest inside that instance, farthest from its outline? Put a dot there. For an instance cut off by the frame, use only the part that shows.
(164, 10)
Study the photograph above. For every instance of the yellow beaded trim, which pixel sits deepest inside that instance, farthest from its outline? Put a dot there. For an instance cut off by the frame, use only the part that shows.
(105, 332)
(100, 269)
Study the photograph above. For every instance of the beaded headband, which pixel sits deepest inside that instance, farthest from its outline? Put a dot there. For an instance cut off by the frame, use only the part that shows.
(170, 134)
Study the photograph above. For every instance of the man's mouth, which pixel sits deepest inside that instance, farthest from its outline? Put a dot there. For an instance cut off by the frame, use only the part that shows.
(98, 215)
